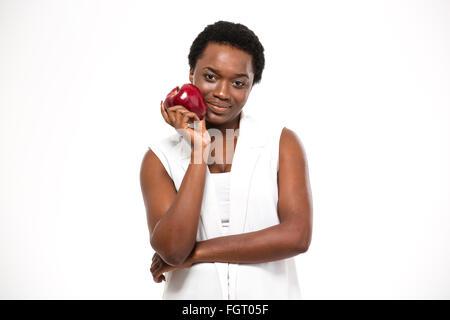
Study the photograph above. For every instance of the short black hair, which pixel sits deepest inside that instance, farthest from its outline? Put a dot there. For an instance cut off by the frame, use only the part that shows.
(234, 34)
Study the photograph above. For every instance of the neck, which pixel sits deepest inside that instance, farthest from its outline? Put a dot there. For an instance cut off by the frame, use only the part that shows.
(232, 124)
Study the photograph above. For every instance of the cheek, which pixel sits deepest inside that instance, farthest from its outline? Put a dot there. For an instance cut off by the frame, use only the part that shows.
(204, 86)
(241, 95)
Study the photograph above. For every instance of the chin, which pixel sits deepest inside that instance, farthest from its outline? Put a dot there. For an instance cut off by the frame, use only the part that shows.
(215, 118)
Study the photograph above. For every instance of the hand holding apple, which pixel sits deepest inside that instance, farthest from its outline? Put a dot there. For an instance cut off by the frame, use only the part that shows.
(188, 96)
(183, 106)
(180, 118)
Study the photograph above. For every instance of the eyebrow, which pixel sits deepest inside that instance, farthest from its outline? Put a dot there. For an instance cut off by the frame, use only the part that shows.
(237, 75)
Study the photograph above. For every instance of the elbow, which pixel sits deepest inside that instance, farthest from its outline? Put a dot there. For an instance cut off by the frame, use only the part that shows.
(170, 255)
(301, 246)
(301, 236)
(301, 241)
(172, 259)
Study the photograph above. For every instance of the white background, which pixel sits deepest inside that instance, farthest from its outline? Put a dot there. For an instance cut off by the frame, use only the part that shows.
(365, 84)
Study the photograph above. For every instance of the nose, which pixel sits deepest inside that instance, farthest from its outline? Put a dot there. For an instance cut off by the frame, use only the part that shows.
(221, 91)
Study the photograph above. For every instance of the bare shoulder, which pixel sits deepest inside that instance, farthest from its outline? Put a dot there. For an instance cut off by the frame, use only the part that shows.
(157, 188)
(151, 164)
(153, 173)
(291, 147)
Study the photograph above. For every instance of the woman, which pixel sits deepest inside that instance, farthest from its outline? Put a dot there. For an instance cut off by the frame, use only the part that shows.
(228, 228)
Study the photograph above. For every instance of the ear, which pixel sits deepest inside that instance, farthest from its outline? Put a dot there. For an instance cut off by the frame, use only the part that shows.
(191, 76)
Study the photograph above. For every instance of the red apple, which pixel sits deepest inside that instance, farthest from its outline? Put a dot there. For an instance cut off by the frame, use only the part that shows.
(188, 96)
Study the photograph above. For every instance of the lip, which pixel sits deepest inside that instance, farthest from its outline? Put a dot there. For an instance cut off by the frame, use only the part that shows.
(218, 108)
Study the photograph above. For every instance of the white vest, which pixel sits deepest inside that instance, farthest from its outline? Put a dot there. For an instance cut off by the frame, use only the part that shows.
(253, 206)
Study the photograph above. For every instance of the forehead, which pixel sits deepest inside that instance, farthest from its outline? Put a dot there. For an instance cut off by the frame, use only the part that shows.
(226, 59)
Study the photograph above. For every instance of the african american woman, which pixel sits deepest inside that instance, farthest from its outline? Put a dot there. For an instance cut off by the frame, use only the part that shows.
(228, 225)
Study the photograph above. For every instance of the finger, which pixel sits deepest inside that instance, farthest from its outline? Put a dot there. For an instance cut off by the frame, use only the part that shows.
(164, 113)
(178, 107)
(174, 114)
(156, 275)
(199, 125)
(175, 109)
(180, 115)
(204, 125)
(155, 266)
(187, 117)
(171, 114)
(162, 278)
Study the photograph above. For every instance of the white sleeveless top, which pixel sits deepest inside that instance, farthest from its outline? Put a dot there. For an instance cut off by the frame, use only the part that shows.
(222, 186)
(252, 206)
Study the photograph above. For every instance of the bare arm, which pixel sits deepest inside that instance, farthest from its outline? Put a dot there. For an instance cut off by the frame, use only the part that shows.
(289, 238)
(172, 216)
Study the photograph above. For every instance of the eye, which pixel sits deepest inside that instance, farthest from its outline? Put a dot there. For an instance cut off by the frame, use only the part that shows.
(240, 84)
(208, 76)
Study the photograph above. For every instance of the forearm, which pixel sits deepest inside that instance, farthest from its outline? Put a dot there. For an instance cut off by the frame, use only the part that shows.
(274, 243)
(175, 233)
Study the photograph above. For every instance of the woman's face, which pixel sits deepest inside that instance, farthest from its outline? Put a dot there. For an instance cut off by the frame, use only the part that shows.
(224, 75)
